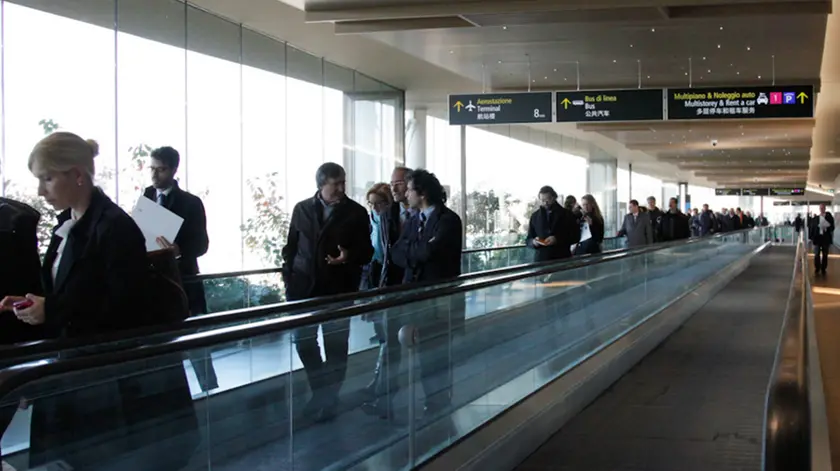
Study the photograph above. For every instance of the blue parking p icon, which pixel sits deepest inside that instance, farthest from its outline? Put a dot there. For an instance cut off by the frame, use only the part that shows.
(790, 98)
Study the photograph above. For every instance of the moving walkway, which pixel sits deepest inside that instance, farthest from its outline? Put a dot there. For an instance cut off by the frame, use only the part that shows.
(529, 330)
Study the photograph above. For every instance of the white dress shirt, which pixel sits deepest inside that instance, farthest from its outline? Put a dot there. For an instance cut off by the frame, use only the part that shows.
(63, 231)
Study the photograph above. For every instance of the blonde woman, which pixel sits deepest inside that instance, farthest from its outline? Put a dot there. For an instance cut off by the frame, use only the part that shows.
(94, 278)
(95, 269)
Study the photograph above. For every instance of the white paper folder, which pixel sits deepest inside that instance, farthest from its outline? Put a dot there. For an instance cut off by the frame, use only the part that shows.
(155, 221)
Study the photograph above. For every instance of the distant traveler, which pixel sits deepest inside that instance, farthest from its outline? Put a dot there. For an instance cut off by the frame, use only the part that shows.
(552, 229)
(655, 215)
(822, 235)
(636, 227)
(674, 224)
(591, 227)
(327, 246)
(798, 223)
(707, 221)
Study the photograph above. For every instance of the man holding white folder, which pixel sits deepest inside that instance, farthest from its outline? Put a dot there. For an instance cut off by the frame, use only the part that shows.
(190, 243)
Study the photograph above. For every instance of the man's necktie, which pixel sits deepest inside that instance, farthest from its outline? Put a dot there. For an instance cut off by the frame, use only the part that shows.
(422, 222)
(161, 199)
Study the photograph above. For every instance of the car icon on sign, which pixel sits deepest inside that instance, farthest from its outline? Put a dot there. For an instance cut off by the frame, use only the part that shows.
(762, 99)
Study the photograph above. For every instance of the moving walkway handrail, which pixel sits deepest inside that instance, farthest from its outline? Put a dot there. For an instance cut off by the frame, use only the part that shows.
(14, 377)
(276, 270)
(787, 421)
(40, 347)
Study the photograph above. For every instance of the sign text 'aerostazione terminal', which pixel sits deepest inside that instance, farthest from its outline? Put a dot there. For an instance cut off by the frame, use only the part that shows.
(739, 102)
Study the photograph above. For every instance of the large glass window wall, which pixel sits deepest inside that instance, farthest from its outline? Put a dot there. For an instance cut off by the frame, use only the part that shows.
(251, 116)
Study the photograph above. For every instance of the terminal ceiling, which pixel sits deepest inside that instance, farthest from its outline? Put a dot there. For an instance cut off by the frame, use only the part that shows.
(605, 44)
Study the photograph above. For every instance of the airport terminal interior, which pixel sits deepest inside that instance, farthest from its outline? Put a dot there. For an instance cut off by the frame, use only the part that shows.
(374, 235)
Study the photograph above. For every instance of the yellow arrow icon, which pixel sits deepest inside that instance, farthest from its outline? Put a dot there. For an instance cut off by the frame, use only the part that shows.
(565, 103)
(802, 97)
(458, 105)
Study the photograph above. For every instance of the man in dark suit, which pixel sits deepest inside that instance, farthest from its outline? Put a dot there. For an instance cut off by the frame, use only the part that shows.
(636, 227)
(190, 243)
(20, 265)
(327, 247)
(385, 383)
(552, 229)
(822, 235)
(429, 249)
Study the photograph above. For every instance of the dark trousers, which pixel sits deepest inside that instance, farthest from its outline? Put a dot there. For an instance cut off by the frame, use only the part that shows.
(205, 373)
(435, 333)
(386, 375)
(325, 376)
(821, 263)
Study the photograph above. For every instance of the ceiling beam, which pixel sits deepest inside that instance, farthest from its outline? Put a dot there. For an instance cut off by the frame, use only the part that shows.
(701, 126)
(377, 26)
(727, 145)
(330, 14)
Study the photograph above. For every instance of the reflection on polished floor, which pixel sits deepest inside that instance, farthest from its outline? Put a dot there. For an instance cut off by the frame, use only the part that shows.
(697, 401)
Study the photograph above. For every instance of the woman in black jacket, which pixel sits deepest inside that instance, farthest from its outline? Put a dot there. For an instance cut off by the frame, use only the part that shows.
(94, 277)
(593, 221)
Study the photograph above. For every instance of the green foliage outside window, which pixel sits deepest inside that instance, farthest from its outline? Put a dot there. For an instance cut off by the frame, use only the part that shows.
(264, 233)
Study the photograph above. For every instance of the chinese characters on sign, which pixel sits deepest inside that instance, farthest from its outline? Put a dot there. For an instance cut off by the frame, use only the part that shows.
(610, 105)
(741, 102)
(501, 108)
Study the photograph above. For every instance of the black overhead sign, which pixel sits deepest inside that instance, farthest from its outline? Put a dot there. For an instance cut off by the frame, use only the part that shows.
(727, 192)
(500, 108)
(755, 191)
(605, 105)
(781, 203)
(795, 101)
(787, 191)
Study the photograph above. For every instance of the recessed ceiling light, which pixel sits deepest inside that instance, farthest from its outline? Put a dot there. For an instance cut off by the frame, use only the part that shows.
(500, 62)
(648, 76)
(718, 46)
(737, 73)
(721, 28)
(614, 61)
(653, 30)
(631, 45)
(759, 77)
(686, 73)
(533, 81)
(704, 57)
(452, 52)
(545, 78)
(565, 79)
(555, 70)
(709, 71)
(504, 27)
(749, 48)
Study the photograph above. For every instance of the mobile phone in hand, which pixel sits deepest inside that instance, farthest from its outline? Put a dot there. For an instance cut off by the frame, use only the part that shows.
(20, 305)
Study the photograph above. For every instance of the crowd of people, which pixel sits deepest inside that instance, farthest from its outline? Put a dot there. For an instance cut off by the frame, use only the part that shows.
(97, 275)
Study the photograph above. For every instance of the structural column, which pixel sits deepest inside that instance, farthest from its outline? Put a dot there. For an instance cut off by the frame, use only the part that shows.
(602, 179)
(415, 139)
